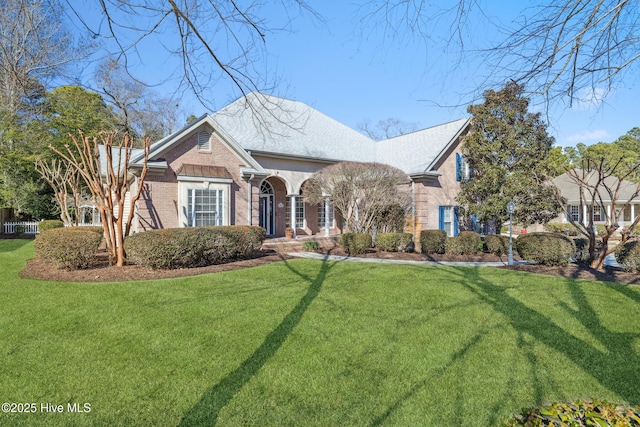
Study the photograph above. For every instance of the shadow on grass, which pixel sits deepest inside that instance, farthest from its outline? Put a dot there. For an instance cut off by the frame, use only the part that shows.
(615, 368)
(207, 410)
(12, 244)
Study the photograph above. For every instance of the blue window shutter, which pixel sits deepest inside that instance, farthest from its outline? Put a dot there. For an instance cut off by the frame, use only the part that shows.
(441, 218)
(458, 167)
(474, 222)
(470, 177)
(455, 220)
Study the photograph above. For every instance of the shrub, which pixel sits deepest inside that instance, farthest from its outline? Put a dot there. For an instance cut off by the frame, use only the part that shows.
(465, 243)
(433, 241)
(577, 414)
(193, 247)
(545, 248)
(395, 242)
(19, 229)
(562, 228)
(582, 249)
(496, 244)
(628, 255)
(71, 248)
(355, 243)
(311, 245)
(391, 218)
(49, 224)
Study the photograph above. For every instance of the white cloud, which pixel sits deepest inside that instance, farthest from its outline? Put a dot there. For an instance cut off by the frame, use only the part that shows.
(589, 135)
(589, 97)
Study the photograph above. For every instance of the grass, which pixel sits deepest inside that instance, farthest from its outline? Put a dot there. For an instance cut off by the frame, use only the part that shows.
(309, 343)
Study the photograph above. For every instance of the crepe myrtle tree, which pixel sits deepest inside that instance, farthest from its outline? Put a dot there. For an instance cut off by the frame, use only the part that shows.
(601, 182)
(361, 192)
(109, 181)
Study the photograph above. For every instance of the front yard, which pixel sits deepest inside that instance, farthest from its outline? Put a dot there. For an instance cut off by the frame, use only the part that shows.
(304, 342)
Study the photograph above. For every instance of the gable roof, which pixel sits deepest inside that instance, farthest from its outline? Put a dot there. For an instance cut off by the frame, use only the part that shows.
(571, 191)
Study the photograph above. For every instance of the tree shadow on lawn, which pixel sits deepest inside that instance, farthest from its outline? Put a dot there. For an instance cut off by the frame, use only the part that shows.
(10, 244)
(207, 410)
(615, 368)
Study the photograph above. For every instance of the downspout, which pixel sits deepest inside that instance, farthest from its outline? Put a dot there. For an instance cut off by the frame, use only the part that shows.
(249, 198)
(413, 210)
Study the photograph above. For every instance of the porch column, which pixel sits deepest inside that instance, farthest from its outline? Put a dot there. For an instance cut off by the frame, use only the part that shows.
(633, 214)
(293, 215)
(585, 219)
(249, 199)
(327, 222)
(609, 219)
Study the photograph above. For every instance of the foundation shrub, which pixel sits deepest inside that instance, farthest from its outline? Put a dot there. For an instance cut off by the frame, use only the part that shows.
(310, 245)
(355, 243)
(562, 228)
(545, 248)
(496, 244)
(72, 248)
(193, 247)
(395, 242)
(433, 241)
(577, 413)
(465, 243)
(628, 255)
(49, 224)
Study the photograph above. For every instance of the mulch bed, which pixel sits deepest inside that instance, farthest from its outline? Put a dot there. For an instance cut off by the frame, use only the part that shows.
(102, 272)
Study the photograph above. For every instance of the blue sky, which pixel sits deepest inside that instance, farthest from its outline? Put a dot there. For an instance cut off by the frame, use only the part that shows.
(354, 70)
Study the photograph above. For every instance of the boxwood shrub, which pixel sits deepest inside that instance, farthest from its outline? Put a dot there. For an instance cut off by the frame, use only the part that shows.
(355, 243)
(546, 248)
(465, 243)
(49, 224)
(395, 242)
(496, 244)
(72, 248)
(628, 255)
(433, 241)
(562, 228)
(193, 247)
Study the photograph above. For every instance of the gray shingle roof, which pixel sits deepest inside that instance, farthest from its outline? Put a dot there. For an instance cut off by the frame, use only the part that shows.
(271, 124)
(571, 191)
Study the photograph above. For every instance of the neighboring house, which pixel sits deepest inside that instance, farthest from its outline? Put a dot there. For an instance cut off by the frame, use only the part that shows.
(580, 207)
(248, 163)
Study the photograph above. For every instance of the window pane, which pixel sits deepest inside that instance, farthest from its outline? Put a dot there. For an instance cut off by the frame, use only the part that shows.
(204, 207)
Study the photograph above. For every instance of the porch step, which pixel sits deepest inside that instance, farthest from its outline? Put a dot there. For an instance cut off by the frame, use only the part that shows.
(284, 245)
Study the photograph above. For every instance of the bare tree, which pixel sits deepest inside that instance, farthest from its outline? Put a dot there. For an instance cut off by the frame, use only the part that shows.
(109, 181)
(65, 182)
(576, 50)
(361, 192)
(385, 129)
(598, 186)
(34, 46)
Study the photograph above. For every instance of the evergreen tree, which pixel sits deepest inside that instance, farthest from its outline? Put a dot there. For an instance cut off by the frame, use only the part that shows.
(507, 149)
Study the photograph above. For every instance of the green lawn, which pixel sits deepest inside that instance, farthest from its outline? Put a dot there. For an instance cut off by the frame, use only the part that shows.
(309, 343)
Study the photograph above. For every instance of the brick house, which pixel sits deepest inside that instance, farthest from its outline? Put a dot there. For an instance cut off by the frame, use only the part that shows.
(248, 163)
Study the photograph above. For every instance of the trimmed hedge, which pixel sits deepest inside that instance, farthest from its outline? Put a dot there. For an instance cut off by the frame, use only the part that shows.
(395, 242)
(49, 224)
(193, 247)
(562, 228)
(355, 243)
(577, 414)
(546, 248)
(628, 255)
(465, 243)
(433, 241)
(72, 248)
(496, 244)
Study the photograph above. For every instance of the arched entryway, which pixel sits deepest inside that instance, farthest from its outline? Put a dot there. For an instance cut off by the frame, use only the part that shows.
(267, 208)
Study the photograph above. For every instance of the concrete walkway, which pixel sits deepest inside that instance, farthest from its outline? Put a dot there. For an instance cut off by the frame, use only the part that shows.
(313, 255)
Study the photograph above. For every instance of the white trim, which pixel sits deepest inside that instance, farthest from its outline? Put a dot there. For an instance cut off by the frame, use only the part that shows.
(183, 187)
(213, 180)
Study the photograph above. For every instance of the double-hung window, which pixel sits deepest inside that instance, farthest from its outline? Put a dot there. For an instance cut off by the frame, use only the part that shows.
(574, 212)
(448, 220)
(322, 219)
(299, 212)
(204, 207)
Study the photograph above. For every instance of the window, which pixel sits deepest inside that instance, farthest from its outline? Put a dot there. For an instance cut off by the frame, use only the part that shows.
(463, 169)
(204, 207)
(574, 213)
(448, 220)
(597, 213)
(204, 141)
(321, 215)
(299, 212)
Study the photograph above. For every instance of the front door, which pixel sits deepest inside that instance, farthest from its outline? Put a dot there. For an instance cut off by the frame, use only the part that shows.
(266, 213)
